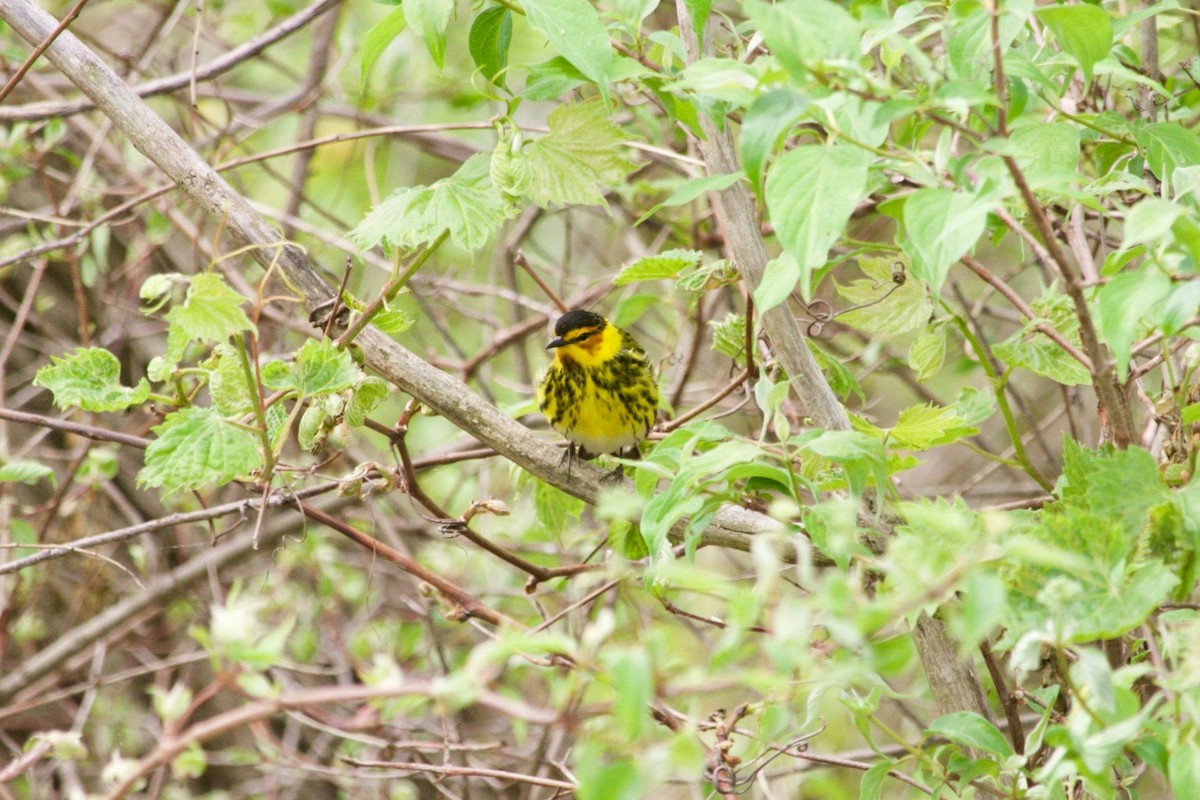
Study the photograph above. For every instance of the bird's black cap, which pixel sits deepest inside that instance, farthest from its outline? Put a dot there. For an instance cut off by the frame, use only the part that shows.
(575, 319)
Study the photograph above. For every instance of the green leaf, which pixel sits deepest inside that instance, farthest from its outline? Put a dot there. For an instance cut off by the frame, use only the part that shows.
(1184, 766)
(90, 378)
(1124, 302)
(651, 268)
(1083, 31)
(888, 307)
(574, 29)
(579, 159)
(690, 190)
(605, 777)
(811, 192)
(212, 312)
(729, 336)
(320, 368)
(780, 276)
(633, 681)
(922, 427)
(802, 32)
(227, 381)
(1038, 354)
(769, 116)
(466, 204)
(314, 427)
(700, 9)
(942, 226)
(1047, 151)
(552, 79)
(861, 455)
(488, 42)
(369, 393)
(392, 321)
(970, 730)
(23, 470)
(380, 35)
(1168, 146)
(1149, 220)
(197, 449)
(871, 785)
(429, 19)
(928, 351)
(984, 603)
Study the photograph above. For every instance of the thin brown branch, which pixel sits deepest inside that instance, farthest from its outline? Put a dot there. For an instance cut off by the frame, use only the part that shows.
(275, 500)
(1010, 294)
(41, 48)
(463, 604)
(224, 63)
(79, 429)
(469, 772)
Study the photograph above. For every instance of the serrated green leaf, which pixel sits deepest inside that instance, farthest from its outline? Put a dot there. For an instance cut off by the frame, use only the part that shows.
(765, 122)
(922, 427)
(212, 312)
(690, 190)
(488, 42)
(973, 406)
(370, 392)
(971, 730)
(197, 449)
(380, 35)
(928, 350)
(1167, 146)
(729, 336)
(312, 429)
(941, 226)
(429, 20)
(90, 378)
(161, 368)
(23, 470)
(320, 369)
(657, 267)
(578, 159)
(888, 307)
(811, 192)
(392, 321)
(574, 29)
(1038, 354)
(1083, 31)
(466, 204)
(227, 382)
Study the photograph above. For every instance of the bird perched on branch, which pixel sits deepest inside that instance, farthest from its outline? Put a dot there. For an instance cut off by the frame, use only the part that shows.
(599, 392)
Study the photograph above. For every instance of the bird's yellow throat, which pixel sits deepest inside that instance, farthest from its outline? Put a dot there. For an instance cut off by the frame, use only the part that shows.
(592, 350)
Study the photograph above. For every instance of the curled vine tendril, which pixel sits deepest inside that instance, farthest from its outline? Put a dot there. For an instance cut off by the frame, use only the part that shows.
(822, 313)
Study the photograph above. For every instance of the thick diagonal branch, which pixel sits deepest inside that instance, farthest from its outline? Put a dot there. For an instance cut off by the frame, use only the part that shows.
(732, 527)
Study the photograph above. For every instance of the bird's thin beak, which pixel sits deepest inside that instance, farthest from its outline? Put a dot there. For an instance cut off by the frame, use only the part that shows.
(556, 343)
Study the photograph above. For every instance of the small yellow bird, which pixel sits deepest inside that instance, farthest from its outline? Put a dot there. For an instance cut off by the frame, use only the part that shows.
(599, 392)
